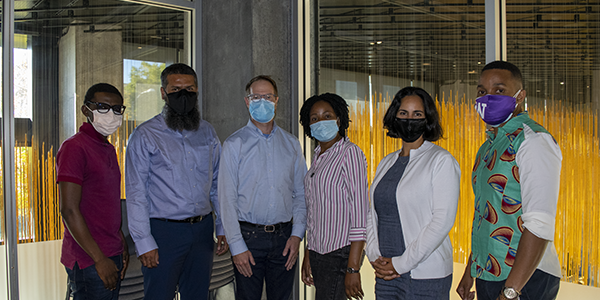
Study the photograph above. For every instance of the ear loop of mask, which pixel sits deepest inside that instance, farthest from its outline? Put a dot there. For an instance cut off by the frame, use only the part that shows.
(516, 104)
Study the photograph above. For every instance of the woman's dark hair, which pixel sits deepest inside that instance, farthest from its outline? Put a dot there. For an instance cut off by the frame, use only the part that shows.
(433, 129)
(339, 105)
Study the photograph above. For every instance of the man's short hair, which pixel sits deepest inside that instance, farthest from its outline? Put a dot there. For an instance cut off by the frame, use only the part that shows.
(504, 65)
(101, 88)
(266, 78)
(178, 68)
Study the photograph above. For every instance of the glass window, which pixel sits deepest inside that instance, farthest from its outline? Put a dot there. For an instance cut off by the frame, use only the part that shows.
(61, 49)
(3, 252)
(556, 46)
(369, 50)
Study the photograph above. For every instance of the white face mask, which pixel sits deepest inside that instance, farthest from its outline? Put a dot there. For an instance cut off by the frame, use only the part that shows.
(106, 124)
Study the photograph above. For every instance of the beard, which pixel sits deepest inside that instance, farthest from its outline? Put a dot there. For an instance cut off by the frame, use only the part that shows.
(175, 121)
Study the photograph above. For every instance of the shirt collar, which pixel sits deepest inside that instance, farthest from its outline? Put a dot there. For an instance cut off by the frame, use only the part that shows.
(334, 148)
(510, 126)
(88, 129)
(424, 147)
(259, 132)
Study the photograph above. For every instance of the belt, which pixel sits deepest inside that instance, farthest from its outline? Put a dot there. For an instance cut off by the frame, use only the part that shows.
(266, 228)
(190, 220)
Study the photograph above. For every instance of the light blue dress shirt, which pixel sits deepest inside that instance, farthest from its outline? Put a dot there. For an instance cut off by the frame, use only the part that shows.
(170, 174)
(261, 181)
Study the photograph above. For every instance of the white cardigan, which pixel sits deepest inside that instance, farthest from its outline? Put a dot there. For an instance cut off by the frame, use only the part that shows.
(427, 197)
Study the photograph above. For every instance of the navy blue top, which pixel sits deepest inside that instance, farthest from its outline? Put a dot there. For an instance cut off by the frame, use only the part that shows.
(391, 238)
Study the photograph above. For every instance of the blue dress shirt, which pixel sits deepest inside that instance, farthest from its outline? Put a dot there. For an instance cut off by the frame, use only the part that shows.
(261, 181)
(170, 174)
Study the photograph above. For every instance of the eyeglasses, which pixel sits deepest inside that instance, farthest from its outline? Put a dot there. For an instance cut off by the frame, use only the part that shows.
(104, 108)
(256, 97)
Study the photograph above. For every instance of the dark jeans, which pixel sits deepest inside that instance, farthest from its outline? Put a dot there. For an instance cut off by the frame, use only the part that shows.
(85, 284)
(329, 273)
(267, 250)
(405, 287)
(185, 255)
(541, 286)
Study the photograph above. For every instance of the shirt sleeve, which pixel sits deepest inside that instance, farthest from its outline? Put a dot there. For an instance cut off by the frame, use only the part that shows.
(446, 185)
(539, 160)
(70, 164)
(137, 169)
(228, 196)
(356, 170)
(298, 201)
(214, 195)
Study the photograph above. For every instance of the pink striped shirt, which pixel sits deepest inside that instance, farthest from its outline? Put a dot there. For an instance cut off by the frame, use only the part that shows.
(336, 197)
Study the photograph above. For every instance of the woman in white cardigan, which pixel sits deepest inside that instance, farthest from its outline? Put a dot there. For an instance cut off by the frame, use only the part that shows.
(414, 198)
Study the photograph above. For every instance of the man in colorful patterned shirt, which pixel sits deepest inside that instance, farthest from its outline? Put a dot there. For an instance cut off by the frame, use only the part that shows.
(516, 180)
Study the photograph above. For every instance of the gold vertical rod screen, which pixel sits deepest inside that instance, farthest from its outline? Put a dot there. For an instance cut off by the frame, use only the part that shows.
(577, 234)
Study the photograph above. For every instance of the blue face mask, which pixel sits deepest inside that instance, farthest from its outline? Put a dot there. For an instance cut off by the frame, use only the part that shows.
(262, 111)
(324, 131)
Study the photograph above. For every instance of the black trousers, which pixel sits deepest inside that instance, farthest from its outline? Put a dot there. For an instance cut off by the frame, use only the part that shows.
(541, 286)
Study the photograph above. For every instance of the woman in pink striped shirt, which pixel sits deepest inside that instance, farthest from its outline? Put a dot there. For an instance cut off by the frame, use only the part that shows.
(336, 201)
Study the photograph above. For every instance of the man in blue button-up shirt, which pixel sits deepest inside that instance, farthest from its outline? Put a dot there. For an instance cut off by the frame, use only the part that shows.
(171, 181)
(261, 196)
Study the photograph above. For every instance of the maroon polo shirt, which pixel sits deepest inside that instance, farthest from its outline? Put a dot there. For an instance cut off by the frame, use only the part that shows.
(90, 161)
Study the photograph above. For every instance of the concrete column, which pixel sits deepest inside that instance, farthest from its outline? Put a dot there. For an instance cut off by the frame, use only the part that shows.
(242, 39)
(87, 56)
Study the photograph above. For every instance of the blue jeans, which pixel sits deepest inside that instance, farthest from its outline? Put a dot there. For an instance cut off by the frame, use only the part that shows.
(267, 250)
(185, 255)
(405, 287)
(329, 273)
(541, 286)
(85, 284)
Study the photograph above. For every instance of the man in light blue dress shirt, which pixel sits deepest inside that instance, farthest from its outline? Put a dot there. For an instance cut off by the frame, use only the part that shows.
(261, 197)
(171, 183)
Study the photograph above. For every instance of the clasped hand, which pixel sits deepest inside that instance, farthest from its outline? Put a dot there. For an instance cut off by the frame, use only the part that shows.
(384, 268)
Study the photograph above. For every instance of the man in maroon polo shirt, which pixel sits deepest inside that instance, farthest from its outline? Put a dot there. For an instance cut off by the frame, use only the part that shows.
(94, 250)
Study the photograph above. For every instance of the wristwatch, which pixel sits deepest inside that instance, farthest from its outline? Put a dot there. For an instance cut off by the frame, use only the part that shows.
(510, 293)
(352, 271)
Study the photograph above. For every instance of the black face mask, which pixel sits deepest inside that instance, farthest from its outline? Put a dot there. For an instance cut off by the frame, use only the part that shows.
(409, 130)
(182, 102)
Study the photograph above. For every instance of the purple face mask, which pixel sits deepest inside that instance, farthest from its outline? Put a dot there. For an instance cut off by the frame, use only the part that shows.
(496, 109)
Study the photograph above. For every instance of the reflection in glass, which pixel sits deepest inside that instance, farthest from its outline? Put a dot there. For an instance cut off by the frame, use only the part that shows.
(370, 50)
(556, 47)
(61, 49)
(3, 258)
